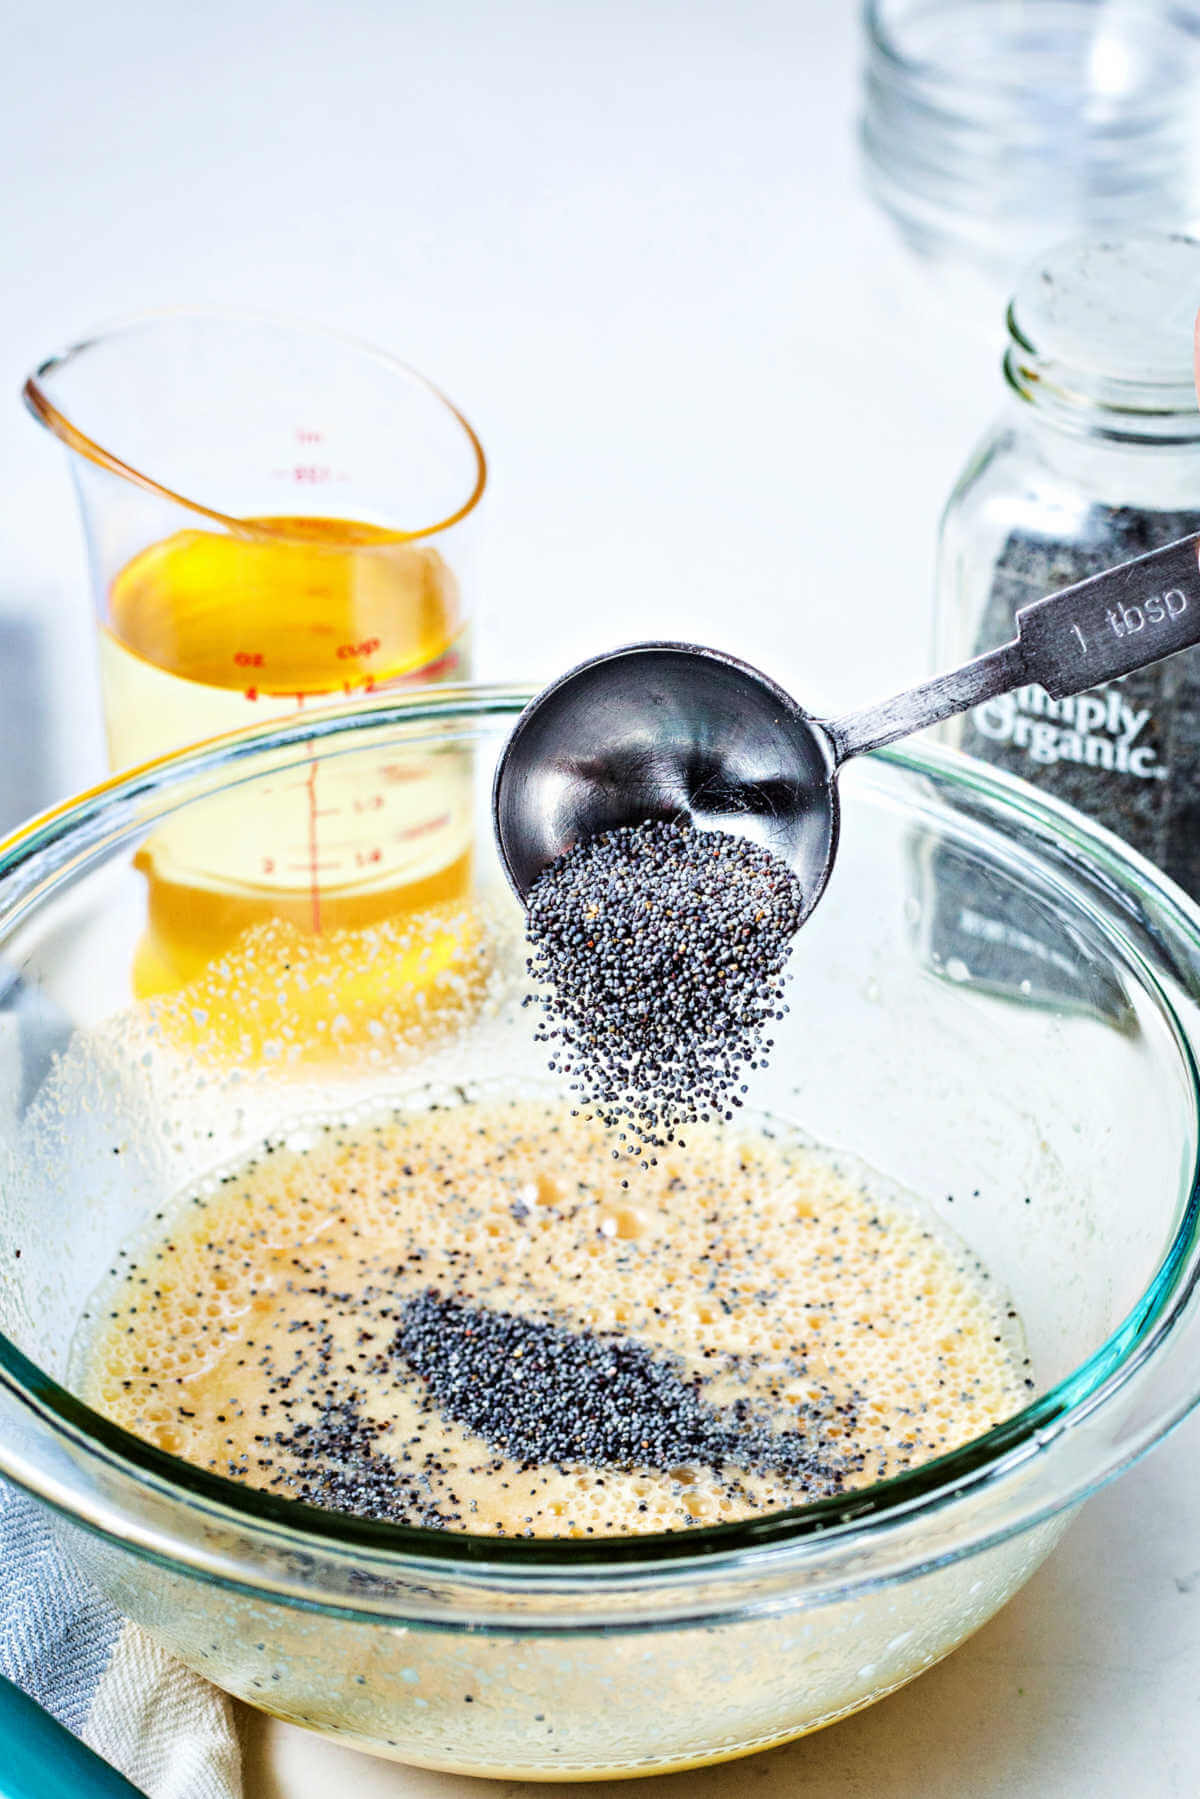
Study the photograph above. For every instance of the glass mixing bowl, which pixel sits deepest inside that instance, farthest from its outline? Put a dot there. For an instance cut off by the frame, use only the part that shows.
(1026, 1065)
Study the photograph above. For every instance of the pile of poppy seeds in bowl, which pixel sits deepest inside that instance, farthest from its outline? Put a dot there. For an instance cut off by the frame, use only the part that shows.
(550, 1396)
(659, 950)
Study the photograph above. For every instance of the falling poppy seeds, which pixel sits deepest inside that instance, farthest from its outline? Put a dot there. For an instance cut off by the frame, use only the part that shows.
(659, 951)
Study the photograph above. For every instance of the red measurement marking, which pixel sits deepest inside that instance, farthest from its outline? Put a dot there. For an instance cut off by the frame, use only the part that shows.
(423, 829)
(314, 866)
(251, 693)
(311, 473)
(372, 803)
(305, 435)
(367, 647)
(314, 886)
(397, 771)
(248, 659)
(351, 846)
(432, 671)
(445, 665)
(365, 858)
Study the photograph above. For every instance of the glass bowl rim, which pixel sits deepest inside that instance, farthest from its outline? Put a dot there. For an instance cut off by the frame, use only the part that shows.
(867, 1512)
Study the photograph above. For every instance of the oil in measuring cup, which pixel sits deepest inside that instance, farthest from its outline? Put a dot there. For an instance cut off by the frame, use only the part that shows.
(208, 631)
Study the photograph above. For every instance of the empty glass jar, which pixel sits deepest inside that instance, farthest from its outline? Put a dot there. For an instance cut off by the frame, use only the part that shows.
(994, 128)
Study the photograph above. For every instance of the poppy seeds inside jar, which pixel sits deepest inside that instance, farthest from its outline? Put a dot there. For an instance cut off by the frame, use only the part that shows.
(659, 951)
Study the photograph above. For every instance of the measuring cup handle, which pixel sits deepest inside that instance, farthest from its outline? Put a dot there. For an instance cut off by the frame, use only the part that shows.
(1097, 630)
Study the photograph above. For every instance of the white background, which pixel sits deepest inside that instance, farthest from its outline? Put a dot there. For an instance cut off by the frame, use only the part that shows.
(629, 239)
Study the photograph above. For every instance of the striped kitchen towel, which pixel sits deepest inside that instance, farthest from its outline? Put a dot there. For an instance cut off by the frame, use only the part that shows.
(166, 1729)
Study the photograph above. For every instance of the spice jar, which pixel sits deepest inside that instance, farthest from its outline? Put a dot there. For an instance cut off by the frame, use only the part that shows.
(1095, 460)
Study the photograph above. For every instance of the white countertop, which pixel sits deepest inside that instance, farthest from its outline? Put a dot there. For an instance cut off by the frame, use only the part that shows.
(627, 236)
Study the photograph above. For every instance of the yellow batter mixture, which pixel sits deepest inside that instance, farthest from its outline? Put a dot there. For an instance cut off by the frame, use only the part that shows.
(384, 1316)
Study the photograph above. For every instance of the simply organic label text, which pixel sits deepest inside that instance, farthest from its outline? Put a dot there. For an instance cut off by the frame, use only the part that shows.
(1099, 729)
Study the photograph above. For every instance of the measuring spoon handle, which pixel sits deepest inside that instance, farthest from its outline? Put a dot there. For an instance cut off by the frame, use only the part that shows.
(1107, 626)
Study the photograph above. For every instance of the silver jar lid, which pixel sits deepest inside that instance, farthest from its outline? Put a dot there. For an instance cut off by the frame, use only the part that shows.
(1100, 330)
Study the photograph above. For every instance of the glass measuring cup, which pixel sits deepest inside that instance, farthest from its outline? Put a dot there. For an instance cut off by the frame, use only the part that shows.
(276, 517)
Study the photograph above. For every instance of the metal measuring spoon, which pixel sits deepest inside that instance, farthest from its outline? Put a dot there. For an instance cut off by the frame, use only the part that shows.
(671, 730)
